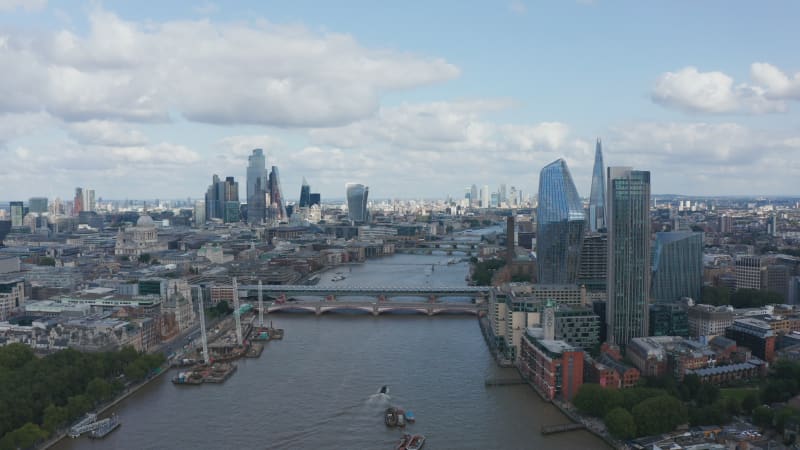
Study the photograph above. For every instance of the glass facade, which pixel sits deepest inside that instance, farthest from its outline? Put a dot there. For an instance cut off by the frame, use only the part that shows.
(305, 194)
(560, 224)
(628, 221)
(597, 196)
(357, 202)
(277, 202)
(256, 186)
(677, 266)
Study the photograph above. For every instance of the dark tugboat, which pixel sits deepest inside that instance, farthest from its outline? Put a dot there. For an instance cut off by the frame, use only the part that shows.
(390, 417)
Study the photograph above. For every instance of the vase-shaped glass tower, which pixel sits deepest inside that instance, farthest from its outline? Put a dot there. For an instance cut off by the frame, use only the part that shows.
(357, 202)
(597, 196)
(560, 224)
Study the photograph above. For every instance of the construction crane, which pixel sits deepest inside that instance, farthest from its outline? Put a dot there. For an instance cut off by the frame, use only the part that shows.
(260, 307)
(237, 312)
(203, 335)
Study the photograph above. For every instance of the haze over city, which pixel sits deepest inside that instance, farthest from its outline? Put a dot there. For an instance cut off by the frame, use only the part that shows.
(148, 100)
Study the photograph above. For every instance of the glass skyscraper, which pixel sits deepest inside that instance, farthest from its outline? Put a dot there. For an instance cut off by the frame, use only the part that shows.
(277, 206)
(305, 194)
(677, 266)
(628, 216)
(357, 202)
(597, 196)
(257, 186)
(560, 224)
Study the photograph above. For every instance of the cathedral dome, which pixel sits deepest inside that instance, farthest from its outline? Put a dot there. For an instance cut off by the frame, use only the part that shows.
(145, 221)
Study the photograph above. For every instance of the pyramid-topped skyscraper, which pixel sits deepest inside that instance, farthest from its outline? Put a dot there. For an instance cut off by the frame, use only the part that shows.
(597, 196)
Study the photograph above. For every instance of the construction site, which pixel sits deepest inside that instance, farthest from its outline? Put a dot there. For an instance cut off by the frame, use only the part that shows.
(241, 336)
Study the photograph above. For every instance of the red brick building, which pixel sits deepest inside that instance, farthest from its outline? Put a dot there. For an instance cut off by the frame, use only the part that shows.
(555, 368)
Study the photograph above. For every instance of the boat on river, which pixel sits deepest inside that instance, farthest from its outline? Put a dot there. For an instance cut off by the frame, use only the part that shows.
(409, 442)
(106, 427)
(390, 417)
(416, 442)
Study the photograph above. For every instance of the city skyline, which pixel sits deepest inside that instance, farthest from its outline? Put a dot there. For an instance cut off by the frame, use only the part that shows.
(410, 114)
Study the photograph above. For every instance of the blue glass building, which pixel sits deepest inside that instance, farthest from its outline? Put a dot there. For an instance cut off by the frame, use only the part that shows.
(677, 266)
(560, 224)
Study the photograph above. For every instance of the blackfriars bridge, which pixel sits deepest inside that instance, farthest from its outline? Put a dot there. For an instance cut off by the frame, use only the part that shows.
(379, 293)
(375, 308)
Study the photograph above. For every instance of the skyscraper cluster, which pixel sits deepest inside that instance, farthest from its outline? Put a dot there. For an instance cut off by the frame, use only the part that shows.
(222, 200)
(606, 248)
(84, 201)
(486, 198)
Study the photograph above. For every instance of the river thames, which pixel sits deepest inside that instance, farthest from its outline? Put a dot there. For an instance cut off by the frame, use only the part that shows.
(317, 388)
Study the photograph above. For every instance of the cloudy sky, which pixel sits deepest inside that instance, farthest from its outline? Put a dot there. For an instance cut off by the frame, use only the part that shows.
(149, 99)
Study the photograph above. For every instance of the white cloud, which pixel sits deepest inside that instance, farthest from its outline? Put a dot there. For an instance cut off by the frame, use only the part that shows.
(206, 8)
(715, 92)
(517, 7)
(777, 84)
(708, 158)
(103, 132)
(226, 73)
(27, 5)
(711, 92)
(13, 125)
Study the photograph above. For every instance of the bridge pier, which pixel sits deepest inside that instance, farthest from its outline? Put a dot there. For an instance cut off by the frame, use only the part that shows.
(429, 310)
(375, 310)
(318, 311)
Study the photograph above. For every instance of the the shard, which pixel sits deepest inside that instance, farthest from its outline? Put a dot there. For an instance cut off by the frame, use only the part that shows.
(597, 196)
(560, 225)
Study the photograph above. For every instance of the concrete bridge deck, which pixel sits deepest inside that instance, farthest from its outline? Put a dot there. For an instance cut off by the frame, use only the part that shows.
(371, 291)
(375, 308)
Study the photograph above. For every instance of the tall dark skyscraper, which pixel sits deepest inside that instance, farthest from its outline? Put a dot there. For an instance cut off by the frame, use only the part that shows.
(597, 196)
(257, 187)
(357, 202)
(315, 199)
(677, 266)
(222, 200)
(305, 194)
(560, 224)
(37, 204)
(628, 215)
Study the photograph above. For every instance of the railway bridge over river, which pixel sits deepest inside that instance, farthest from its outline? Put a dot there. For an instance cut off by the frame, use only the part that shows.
(380, 293)
(375, 308)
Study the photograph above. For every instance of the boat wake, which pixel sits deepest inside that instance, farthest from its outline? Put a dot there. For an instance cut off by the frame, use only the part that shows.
(378, 399)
